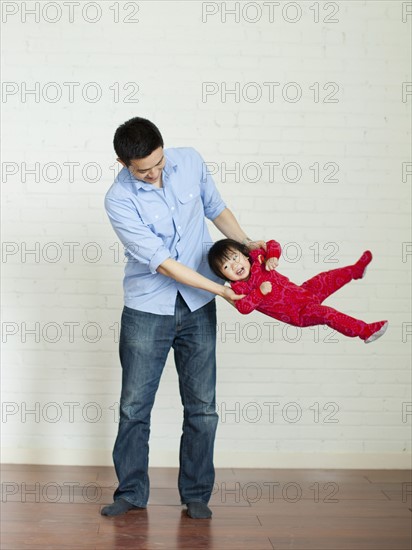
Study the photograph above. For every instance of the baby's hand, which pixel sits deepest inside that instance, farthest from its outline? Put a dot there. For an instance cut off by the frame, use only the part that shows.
(271, 264)
(265, 287)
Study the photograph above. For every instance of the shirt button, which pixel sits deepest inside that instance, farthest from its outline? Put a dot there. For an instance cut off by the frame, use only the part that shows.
(172, 208)
(156, 216)
(178, 227)
(190, 195)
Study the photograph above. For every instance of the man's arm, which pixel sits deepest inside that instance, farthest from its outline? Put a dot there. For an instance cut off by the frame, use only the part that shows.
(229, 226)
(185, 275)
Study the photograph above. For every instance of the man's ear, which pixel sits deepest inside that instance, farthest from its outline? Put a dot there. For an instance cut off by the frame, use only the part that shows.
(121, 162)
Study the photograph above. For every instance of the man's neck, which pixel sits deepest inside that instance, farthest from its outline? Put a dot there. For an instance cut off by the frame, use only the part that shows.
(159, 184)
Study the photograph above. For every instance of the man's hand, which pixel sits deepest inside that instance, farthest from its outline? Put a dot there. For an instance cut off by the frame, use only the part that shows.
(252, 245)
(231, 296)
(265, 287)
(271, 264)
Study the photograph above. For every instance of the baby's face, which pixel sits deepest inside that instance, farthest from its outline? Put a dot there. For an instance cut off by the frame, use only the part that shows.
(236, 266)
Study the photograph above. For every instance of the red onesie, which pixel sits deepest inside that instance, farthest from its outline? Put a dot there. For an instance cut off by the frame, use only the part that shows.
(301, 306)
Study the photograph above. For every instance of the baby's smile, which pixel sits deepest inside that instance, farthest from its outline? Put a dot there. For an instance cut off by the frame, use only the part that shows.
(236, 267)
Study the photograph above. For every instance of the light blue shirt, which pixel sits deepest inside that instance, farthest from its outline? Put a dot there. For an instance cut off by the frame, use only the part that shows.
(155, 224)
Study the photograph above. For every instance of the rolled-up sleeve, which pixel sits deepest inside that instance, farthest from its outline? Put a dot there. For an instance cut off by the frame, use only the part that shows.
(139, 241)
(212, 201)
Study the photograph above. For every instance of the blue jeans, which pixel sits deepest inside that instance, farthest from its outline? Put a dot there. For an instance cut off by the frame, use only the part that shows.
(145, 340)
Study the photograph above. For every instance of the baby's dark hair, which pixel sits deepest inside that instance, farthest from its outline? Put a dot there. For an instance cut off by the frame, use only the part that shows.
(220, 251)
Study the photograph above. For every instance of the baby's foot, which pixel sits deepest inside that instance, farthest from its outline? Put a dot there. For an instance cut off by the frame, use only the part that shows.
(376, 330)
(359, 269)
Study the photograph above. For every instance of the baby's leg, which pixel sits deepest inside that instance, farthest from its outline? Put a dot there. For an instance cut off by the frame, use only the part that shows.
(317, 314)
(326, 283)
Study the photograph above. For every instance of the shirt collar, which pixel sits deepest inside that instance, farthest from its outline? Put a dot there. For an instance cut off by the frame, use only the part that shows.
(169, 167)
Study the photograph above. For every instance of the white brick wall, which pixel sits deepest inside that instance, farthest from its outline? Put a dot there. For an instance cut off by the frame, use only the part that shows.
(286, 397)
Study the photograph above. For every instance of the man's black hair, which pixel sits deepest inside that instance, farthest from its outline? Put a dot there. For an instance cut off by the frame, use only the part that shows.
(136, 138)
(220, 251)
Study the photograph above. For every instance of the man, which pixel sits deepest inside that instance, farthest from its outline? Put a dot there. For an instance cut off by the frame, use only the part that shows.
(157, 206)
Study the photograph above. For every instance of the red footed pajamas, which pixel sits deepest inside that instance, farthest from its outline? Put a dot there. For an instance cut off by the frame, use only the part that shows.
(301, 306)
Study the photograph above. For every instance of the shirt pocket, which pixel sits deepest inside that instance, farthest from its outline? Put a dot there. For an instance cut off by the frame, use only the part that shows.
(159, 221)
(191, 204)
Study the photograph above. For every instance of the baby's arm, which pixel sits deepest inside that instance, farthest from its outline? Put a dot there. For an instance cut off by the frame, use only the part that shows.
(273, 252)
(251, 301)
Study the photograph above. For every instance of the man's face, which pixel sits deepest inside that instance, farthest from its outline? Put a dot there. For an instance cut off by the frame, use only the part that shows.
(236, 266)
(149, 169)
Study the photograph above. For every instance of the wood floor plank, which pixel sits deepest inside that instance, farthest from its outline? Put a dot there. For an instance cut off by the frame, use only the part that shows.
(171, 514)
(58, 494)
(252, 510)
(48, 476)
(341, 533)
(160, 478)
(337, 542)
(178, 541)
(31, 511)
(401, 492)
(49, 526)
(389, 476)
(344, 509)
(19, 541)
(310, 474)
(292, 491)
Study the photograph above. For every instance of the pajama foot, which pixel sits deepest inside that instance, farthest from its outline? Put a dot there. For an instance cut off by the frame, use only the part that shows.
(376, 331)
(359, 269)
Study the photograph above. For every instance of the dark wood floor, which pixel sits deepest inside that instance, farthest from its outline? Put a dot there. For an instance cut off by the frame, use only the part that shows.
(58, 507)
